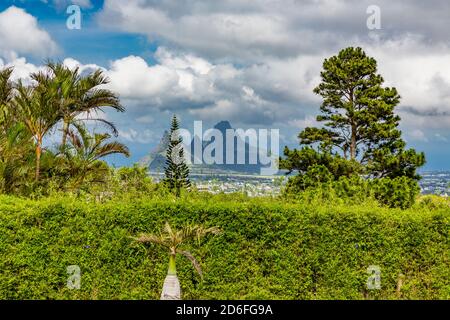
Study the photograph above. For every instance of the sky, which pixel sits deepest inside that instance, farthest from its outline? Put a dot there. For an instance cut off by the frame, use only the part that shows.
(251, 62)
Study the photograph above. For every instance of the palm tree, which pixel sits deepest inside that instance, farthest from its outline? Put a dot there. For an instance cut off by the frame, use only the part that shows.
(15, 147)
(6, 96)
(15, 151)
(79, 95)
(172, 240)
(81, 156)
(28, 112)
(34, 107)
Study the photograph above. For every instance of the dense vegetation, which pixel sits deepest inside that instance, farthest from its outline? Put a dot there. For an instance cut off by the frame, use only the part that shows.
(57, 102)
(268, 249)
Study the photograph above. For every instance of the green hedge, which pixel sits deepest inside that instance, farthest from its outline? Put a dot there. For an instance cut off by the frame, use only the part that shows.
(268, 250)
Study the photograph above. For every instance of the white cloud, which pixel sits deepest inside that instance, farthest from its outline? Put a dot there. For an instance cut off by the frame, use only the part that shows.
(418, 135)
(216, 29)
(21, 34)
(61, 4)
(81, 3)
(301, 124)
(72, 64)
(133, 78)
(22, 68)
(440, 137)
(147, 119)
(252, 31)
(132, 135)
(179, 81)
(260, 60)
(419, 72)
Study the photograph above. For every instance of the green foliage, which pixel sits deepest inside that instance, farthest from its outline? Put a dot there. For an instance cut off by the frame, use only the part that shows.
(400, 192)
(30, 113)
(134, 179)
(433, 202)
(317, 175)
(174, 240)
(15, 158)
(357, 111)
(268, 249)
(306, 158)
(176, 170)
(385, 163)
(360, 134)
(75, 95)
(79, 160)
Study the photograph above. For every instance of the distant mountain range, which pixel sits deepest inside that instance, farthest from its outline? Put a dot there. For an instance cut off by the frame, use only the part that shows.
(156, 159)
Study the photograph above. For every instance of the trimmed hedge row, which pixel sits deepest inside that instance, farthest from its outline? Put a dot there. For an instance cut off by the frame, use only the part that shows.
(268, 250)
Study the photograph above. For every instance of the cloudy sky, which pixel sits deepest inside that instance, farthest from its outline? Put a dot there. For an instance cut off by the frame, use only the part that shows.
(252, 62)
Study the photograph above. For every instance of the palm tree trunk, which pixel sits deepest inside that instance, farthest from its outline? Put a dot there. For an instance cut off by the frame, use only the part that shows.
(171, 289)
(38, 159)
(65, 132)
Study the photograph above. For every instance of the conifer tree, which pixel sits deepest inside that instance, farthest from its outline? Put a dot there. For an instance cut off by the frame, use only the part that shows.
(176, 171)
(358, 118)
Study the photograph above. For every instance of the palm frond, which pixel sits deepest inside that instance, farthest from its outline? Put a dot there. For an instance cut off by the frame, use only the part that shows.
(108, 124)
(194, 262)
(111, 148)
(197, 232)
(151, 238)
(168, 230)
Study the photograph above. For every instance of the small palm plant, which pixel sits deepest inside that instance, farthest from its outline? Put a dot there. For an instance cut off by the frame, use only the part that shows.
(81, 157)
(172, 240)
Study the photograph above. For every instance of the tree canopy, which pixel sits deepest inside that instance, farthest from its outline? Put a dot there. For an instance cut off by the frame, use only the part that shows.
(31, 111)
(358, 130)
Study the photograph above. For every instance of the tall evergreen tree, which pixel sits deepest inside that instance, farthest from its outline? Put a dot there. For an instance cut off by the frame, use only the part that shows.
(176, 171)
(358, 117)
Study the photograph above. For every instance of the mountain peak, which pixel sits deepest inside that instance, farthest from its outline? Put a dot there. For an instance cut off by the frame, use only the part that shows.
(222, 126)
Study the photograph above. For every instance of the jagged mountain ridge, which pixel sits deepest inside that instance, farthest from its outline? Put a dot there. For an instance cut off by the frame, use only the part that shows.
(155, 161)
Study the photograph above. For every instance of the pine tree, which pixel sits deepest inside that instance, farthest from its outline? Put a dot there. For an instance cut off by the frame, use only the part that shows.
(358, 117)
(176, 171)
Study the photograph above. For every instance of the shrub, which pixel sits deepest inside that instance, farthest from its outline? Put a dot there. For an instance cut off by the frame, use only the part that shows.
(268, 249)
(433, 201)
(316, 175)
(399, 192)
